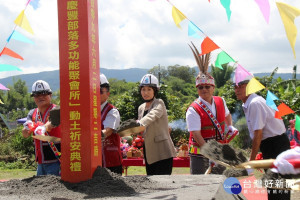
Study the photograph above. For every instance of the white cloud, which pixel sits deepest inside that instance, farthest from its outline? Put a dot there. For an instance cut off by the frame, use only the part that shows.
(142, 34)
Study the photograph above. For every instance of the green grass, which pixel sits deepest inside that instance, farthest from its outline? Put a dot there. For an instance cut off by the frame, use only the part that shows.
(16, 174)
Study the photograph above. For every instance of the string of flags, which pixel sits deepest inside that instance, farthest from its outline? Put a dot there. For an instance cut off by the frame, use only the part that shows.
(288, 15)
(22, 22)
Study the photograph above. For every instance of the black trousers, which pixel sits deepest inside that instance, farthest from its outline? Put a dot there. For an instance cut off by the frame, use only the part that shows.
(117, 169)
(271, 148)
(162, 167)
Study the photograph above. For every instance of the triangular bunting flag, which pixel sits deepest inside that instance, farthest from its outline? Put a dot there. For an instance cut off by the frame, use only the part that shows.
(241, 74)
(288, 15)
(177, 16)
(11, 53)
(193, 30)
(223, 58)
(23, 22)
(283, 109)
(297, 123)
(226, 5)
(264, 7)
(1, 102)
(18, 36)
(5, 67)
(2, 87)
(253, 86)
(270, 100)
(208, 46)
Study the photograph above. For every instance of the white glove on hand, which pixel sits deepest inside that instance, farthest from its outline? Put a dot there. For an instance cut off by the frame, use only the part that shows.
(27, 124)
(231, 130)
(40, 130)
(282, 164)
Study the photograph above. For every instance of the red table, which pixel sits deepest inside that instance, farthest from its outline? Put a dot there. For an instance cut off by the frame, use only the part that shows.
(177, 162)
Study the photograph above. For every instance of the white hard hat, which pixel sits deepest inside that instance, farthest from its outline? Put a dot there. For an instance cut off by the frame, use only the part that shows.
(103, 80)
(40, 86)
(149, 80)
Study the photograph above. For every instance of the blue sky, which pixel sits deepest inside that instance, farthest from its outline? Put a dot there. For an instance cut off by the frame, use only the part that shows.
(142, 34)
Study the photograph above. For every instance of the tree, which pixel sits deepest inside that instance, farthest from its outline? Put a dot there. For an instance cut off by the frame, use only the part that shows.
(159, 71)
(221, 76)
(185, 73)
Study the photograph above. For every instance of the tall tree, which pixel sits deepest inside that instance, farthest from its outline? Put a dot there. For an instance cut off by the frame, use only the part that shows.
(185, 73)
(221, 75)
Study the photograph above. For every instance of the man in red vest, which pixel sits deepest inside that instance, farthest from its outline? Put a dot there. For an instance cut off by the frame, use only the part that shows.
(46, 153)
(206, 117)
(110, 121)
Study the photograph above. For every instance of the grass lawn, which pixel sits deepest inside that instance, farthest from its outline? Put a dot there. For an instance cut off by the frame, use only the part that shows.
(16, 174)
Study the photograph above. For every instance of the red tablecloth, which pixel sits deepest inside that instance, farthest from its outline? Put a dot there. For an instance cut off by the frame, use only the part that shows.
(177, 162)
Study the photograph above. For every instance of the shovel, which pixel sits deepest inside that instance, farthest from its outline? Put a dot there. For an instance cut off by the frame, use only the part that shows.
(46, 138)
(258, 164)
(131, 131)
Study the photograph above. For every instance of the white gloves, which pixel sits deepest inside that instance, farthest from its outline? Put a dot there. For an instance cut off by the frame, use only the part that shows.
(282, 164)
(28, 124)
(40, 130)
(231, 130)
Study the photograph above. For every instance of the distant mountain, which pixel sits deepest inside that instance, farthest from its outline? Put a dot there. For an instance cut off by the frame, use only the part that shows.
(129, 75)
(52, 77)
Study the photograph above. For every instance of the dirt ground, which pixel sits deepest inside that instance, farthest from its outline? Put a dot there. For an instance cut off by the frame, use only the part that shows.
(104, 184)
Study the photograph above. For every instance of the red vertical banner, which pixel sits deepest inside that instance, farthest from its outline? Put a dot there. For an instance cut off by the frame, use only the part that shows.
(79, 89)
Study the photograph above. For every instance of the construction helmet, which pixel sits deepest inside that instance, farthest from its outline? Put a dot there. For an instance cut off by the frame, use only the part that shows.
(40, 87)
(103, 80)
(149, 80)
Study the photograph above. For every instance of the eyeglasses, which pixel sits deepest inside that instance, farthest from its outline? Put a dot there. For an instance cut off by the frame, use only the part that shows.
(206, 87)
(39, 93)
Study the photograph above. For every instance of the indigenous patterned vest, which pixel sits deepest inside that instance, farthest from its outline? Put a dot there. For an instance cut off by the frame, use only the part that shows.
(208, 130)
(43, 151)
(111, 154)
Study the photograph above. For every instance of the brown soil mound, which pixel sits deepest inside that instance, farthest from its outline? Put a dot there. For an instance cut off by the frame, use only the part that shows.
(104, 184)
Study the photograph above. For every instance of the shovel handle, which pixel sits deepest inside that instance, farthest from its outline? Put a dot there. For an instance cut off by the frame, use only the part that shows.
(268, 163)
(294, 162)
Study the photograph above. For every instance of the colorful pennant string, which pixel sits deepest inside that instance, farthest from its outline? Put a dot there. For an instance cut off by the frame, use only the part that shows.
(5, 67)
(283, 110)
(23, 22)
(253, 86)
(2, 87)
(7, 51)
(270, 100)
(177, 16)
(226, 5)
(241, 74)
(264, 7)
(288, 15)
(223, 58)
(297, 123)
